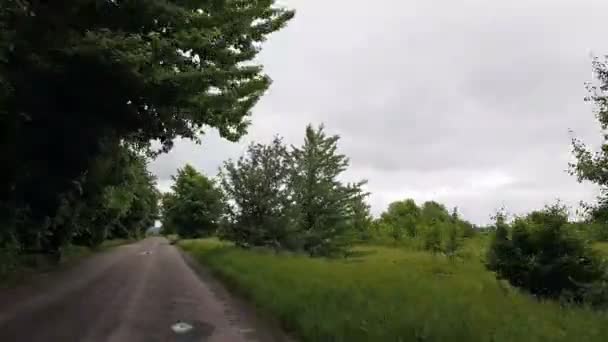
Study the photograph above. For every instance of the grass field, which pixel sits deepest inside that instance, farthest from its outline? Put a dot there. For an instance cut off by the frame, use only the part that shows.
(393, 294)
(602, 247)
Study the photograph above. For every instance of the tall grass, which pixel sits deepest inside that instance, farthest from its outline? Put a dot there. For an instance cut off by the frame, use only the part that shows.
(602, 247)
(394, 294)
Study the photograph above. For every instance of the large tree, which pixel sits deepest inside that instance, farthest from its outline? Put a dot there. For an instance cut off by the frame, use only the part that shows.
(195, 206)
(256, 186)
(76, 76)
(119, 200)
(589, 165)
(322, 202)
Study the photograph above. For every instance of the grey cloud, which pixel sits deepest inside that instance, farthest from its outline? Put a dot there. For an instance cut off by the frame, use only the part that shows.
(467, 102)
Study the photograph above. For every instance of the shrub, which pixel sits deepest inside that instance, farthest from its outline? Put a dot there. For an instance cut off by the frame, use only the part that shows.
(468, 231)
(453, 240)
(543, 257)
(432, 238)
(9, 261)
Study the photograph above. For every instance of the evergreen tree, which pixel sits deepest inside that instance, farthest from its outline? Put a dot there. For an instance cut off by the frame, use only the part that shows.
(361, 219)
(321, 201)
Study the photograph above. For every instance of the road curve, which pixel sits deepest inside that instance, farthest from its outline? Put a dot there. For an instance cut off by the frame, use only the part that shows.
(132, 293)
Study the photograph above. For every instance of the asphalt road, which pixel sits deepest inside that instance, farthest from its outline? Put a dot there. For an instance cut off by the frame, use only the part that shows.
(139, 292)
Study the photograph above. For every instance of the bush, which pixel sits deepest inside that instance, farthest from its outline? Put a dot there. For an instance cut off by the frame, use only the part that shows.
(393, 294)
(540, 255)
(453, 240)
(8, 260)
(598, 231)
(468, 231)
(432, 238)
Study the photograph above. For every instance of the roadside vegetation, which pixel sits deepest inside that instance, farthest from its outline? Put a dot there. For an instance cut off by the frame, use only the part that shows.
(302, 245)
(18, 268)
(91, 90)
(384, 293)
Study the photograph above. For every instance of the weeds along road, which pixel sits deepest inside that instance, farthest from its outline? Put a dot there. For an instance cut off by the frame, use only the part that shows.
(138, 292)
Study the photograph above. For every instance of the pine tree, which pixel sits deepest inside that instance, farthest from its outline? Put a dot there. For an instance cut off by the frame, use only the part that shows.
(361, 219)
(321, 201)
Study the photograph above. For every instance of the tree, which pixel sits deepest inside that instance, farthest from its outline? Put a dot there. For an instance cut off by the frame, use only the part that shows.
(143, 210)
(293, 199)
(500, 246)
(432, 237)
(361, 219)
(321, 201)
(119, 199)
(590, 166)
(77, 76)
(455, 232)
(432, 211)
(195, 206)
(258, 196)
(167, 200)
(403, 218)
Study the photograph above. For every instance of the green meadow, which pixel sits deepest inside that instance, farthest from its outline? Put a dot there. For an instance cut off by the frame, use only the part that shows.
(383, 293)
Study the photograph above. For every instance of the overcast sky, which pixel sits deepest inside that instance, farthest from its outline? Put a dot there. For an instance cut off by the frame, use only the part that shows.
(468, 103)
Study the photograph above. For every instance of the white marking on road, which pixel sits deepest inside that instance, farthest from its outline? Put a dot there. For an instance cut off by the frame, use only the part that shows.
(181, 328)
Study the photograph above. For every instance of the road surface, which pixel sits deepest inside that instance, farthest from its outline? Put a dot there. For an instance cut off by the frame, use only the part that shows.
(145, 291)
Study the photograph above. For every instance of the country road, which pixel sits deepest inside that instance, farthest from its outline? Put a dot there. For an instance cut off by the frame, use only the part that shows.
(136, 292)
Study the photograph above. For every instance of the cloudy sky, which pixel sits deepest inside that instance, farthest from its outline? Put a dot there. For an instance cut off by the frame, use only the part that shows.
(466, 102)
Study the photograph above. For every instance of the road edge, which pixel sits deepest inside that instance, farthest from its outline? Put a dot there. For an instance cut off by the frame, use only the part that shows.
(264, 327)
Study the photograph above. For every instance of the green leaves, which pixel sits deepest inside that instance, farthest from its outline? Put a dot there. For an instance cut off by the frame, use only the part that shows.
(195, 205)
(293, 198)
(589, 165)
(540, 254)
(322, 203)
(403, 217)
(79, 78)
(258, 196)
(120, 199)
